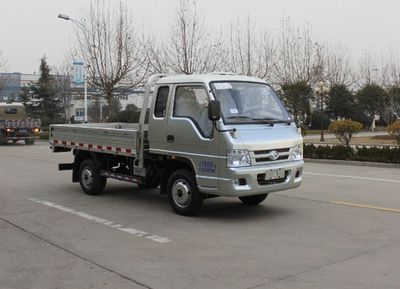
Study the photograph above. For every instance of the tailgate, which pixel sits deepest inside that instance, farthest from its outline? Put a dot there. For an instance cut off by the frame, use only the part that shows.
(26, 123)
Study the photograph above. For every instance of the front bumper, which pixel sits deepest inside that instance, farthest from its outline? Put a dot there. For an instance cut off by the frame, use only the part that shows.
(247, 181)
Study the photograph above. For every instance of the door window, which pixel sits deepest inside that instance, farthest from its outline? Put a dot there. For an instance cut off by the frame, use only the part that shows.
(161, 101)
(192, 102)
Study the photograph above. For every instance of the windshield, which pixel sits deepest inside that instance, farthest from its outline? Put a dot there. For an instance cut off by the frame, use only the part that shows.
(249, 102)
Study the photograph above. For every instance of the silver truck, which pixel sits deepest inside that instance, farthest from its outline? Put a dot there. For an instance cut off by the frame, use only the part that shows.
(202, 136)
(15, 124)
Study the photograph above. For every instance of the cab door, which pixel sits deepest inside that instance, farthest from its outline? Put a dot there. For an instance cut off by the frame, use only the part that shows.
(190, 132)
(158, 119)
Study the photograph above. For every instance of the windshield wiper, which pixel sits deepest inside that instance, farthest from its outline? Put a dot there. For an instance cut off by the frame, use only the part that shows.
(272, 121)
(239, 117)
(266, 120)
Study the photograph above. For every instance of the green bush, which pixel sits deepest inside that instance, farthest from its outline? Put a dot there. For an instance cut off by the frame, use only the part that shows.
(365, 154)
(344, 130)
(125, 116)
(316, 120)
(394, 130)
(375, 154)
(327, 152)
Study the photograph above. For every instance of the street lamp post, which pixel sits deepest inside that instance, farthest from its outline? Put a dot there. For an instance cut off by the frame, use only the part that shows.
(322, 91)
(83, 27)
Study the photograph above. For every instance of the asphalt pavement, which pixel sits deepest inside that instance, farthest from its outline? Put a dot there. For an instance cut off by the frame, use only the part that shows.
(338, 230)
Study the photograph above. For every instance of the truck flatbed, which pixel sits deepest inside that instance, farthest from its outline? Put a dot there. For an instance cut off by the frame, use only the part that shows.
(111, 138)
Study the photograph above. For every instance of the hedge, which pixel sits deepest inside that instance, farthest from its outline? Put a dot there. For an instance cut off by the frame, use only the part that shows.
(366, 154)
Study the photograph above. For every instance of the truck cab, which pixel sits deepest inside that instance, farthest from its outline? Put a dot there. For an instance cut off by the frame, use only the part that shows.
(253, 148)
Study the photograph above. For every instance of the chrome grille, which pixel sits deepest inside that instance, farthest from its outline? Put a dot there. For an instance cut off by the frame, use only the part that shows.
(263, 156)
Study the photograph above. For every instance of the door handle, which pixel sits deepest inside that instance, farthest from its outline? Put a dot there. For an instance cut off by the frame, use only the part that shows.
(170, 138)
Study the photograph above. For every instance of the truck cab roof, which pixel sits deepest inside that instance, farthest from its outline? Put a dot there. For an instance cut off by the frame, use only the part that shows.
(12, 111)
(206, 78)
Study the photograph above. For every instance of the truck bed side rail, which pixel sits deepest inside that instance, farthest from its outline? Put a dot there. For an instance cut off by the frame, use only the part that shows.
(96, 139)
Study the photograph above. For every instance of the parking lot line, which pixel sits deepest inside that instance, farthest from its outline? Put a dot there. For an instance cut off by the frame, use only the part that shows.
(353, 177)
(108, 223)
(365, 206)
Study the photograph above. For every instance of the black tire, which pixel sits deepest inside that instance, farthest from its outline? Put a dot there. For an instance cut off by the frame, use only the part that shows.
(29, 141)
(183, 194)
(253, 200)
(92, 183)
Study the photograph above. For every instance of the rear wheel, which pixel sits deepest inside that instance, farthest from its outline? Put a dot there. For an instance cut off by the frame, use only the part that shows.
(183, 194)
(92, 183)
(253, 200)
(29, 141)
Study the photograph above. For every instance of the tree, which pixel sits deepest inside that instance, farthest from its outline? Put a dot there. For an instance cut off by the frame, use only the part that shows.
(62, 81)
(368, 71)
(111, 48)
(340, 103)
(299, 57)
(390, 71)
(372, 99)
(394, 131)
(338, 70)
(392, 109)
(189, 48)
(4, 79)
(249, 52)
(297, 97)
(113, 109)
(43, 97)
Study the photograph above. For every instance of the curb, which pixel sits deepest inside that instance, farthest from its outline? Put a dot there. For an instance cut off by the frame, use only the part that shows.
(352, 163)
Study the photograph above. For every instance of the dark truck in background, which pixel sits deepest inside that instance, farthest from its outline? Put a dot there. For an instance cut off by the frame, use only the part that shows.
(15, 125)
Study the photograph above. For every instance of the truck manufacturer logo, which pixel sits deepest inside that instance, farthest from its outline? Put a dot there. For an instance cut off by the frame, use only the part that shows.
(273, 155)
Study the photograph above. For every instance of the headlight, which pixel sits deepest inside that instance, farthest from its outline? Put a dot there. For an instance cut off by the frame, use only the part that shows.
(238, 158)
(296, 153)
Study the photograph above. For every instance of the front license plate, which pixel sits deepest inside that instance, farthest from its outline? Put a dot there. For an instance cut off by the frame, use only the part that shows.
(23, 130)
(275, 174)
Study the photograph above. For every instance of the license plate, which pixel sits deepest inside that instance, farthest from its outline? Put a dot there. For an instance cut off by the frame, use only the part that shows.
(23, 130)
(275, 174)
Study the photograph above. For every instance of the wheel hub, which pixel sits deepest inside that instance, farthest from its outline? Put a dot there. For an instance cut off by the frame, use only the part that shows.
(87, 177)
(181, 193)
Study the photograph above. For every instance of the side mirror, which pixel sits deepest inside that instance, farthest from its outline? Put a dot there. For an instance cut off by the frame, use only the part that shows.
(214, 110)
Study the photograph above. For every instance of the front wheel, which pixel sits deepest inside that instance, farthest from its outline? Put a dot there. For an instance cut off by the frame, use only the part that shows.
(183, 194)
(92, 183)
(253, 200)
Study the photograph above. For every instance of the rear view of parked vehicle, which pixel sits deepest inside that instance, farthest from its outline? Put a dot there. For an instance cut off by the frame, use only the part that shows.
(15, 125)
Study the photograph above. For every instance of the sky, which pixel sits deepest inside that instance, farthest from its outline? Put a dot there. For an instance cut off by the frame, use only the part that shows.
(30, 29)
